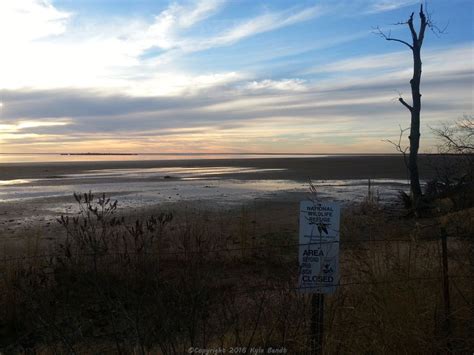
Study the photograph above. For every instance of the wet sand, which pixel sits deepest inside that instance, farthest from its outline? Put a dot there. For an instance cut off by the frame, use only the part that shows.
(32, 207)
(297, 169)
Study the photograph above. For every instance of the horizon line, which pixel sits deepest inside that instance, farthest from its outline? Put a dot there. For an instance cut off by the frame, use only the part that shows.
(201, 153)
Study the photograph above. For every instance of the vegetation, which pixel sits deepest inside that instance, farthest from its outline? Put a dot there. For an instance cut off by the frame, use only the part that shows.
(454, 178)
(167, 282)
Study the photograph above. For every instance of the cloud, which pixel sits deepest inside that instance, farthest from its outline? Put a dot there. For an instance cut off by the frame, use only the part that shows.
(99, 55)
(202, 10)
(164, 32)
(266, 22)
(177, 84)
(276, 85)
(242, 118)
(23, 130)
(29, 20)
(25, 125)
(130, 56)
(231, 98)
(398, 65)
(120, 85)
(378, 6)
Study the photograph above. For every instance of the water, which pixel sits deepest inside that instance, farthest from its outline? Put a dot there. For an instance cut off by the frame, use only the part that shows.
(36, 200)
(56, 157)
(141, 186)
(46, 203)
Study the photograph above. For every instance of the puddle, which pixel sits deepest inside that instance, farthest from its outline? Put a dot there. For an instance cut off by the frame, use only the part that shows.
(34, 202)
(14, 182)
(177, 172)
(195, 187)
(211, 186)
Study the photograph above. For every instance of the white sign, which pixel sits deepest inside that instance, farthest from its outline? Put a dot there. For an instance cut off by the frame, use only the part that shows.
(319, 246)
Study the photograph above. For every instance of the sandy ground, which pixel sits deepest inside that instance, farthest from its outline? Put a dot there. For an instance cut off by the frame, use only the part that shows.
(271, 187)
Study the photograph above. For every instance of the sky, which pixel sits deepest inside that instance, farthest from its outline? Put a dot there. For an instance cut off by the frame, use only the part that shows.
(234, 76)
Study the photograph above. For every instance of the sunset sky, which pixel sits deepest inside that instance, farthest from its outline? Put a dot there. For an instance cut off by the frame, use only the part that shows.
(224, 76)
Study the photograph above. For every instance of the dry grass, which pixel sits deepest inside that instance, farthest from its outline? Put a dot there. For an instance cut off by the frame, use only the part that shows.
(223, 279)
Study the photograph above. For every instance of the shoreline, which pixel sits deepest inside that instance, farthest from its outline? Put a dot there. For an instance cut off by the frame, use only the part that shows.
(295, 168)
(268, 180)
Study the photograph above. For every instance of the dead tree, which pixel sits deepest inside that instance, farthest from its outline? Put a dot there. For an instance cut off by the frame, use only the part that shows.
(415, 107)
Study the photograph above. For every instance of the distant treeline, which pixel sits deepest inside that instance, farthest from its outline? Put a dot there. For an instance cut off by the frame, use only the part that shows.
(99, 154)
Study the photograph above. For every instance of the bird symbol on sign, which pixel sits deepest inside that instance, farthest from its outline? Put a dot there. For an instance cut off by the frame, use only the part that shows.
(322, 227)
(327, 268)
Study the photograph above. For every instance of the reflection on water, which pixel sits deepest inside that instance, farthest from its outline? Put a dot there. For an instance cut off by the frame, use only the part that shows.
(190, 187)
(44, 199)
(27, 158)
(211, 186)
(14, 182)
(179, 172)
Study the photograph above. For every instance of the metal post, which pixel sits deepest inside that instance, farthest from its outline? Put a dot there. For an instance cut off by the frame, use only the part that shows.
(317, 323)
(447, 301)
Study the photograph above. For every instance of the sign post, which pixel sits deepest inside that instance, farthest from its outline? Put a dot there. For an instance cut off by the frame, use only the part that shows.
(318, 260)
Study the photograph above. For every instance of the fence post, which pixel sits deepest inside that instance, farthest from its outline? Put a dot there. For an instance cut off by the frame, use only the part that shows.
(447, 301)
(317, 323)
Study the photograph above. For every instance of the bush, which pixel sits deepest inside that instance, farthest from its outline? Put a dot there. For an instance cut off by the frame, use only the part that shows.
(162, 283)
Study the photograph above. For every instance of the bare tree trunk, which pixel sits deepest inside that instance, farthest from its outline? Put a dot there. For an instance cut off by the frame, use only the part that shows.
(415, 127)
(415, 108)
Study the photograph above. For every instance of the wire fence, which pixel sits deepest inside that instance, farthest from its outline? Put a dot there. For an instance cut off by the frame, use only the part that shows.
(262, 277)
(367, 243)
(209, 251)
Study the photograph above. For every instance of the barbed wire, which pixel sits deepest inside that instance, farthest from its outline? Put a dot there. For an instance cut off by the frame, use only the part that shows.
(220, 250)
(265, 287)
(286, 246)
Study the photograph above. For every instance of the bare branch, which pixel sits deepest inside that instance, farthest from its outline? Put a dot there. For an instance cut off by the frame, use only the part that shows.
(398, 145)
(414, 36)
(423, 24)
(389, 38)
(437, 31)
(457, 138)
(404, 103)
(467, 125)
(400, 23)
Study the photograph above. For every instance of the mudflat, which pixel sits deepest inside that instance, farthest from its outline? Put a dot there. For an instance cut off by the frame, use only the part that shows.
(297, 169)
(264, 184)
